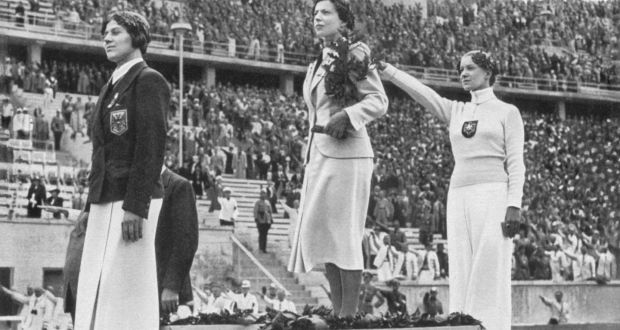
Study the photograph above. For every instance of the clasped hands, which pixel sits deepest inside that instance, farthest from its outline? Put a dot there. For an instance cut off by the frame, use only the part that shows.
(338, 125)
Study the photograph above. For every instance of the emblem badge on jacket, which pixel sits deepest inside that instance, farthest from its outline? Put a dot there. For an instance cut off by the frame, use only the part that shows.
(469, 128)
(118, 121)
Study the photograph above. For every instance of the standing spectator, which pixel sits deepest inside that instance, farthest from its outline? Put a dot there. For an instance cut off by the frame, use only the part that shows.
(89, 109)
(229, 211)
(557, 263)
(66, 108)
(429, 270)
(559, 309)
(584, 265)
(607, 266)
(41, 127)
(442, 257)
(76, 117)
(384, 210)
(58, 128)
(388, 261)
(263, 218)
(79, 200)
(7, 112)
(36, 197)
(241, 164)
(196, 176)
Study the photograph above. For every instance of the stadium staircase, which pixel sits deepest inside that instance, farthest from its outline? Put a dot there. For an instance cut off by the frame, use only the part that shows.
(306, 288)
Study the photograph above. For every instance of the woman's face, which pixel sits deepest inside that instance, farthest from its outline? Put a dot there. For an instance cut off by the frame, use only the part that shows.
(326, 20)
(473, 77)
(117, 42)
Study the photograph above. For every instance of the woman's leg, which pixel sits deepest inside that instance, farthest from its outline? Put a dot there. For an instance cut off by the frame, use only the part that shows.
(332, 272)
(351, 282)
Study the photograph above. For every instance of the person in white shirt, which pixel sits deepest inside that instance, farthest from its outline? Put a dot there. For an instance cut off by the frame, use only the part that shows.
(282, 304)
(557, 262)
(7, 113)
(271, 295)
(559, 309)
(584, 265)
(607, 266)
(429, 268)
(245, 300)
(389, 261)
(41, 312)
(486, 187)
(229, 211)
(216, 303)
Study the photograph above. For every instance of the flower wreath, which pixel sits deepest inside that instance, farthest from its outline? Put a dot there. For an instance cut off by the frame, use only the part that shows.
(343, 70)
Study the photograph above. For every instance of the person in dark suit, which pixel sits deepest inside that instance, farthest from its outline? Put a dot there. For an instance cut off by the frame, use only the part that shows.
(176, 241)
(196, 176)
(125, 188)
(36, 196)
(55, 200)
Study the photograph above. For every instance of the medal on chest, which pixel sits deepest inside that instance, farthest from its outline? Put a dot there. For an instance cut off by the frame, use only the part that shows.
(469, 128)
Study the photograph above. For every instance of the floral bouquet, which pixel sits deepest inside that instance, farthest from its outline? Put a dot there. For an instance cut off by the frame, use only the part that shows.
(343, 70)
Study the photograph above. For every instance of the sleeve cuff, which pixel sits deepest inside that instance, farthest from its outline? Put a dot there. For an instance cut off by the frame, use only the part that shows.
(139, 208)
(357, 124)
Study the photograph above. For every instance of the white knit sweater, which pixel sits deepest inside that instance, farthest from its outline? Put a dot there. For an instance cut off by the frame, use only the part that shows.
(494, 153)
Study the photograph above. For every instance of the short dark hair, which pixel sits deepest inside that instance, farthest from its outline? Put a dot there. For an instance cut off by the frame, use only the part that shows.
(484, 61)
(136, 25)
(343, 9)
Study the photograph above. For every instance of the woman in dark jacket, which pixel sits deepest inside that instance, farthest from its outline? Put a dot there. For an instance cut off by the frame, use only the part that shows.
(117, 286)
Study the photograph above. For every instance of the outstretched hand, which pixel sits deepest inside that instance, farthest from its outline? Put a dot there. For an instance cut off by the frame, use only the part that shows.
(338, 125)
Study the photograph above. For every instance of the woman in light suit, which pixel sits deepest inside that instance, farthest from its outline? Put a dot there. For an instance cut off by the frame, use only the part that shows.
(484, 200)
(339, 166)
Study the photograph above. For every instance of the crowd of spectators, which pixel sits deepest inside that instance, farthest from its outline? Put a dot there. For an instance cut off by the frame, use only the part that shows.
(558, 40)
(572, 166)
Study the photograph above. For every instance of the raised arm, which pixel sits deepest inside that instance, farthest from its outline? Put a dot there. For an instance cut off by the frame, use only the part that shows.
(426, 96)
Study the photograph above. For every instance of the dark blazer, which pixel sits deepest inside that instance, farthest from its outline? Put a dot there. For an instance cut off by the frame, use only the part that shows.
(176, 239)
(129, 137)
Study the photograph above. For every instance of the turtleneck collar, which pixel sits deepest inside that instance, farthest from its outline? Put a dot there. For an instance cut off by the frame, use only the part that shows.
(482, 95)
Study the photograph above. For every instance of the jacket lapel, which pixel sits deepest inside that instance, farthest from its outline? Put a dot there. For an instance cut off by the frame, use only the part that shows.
(318, 76)
(98, 129)
(124, 83)
(166, 177)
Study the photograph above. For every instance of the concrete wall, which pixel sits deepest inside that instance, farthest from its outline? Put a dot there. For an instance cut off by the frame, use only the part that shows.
(30, 245)
(588, 302)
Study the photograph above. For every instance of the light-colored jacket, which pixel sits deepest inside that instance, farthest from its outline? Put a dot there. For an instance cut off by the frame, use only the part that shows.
(372, 105)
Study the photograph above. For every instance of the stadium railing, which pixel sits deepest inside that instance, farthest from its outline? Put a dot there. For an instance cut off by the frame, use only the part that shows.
(48, 24)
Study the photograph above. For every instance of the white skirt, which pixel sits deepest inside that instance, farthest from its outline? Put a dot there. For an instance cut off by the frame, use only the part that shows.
(332, 213)
(117, 287)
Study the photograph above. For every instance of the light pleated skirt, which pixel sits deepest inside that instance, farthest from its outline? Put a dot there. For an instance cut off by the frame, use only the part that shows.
(332, 213)
(117, 287)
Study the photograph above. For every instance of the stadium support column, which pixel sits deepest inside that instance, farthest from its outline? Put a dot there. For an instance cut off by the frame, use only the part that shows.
(208, 76)
(560, 109)
(34, 52)
(4, 46)
(287, 83)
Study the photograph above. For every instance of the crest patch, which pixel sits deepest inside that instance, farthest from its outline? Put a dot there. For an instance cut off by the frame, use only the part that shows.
(469, 128)
(118, 121)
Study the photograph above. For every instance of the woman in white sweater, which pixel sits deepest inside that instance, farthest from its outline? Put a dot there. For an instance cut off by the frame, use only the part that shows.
(486, 187)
